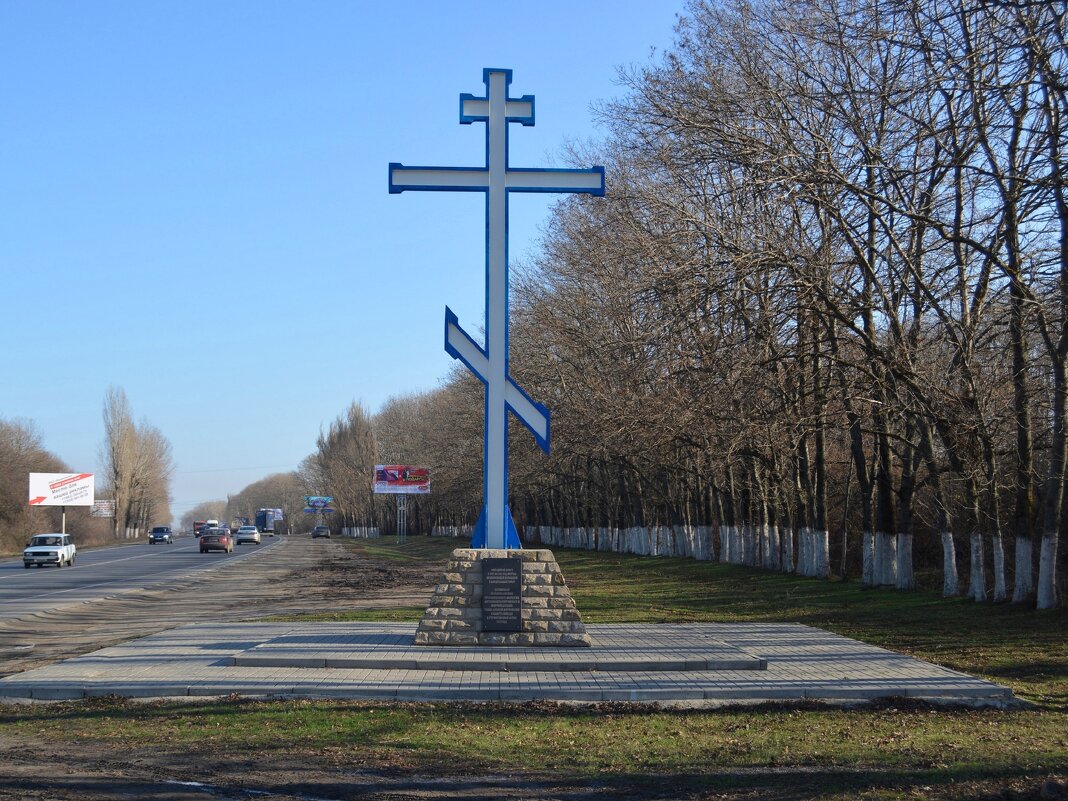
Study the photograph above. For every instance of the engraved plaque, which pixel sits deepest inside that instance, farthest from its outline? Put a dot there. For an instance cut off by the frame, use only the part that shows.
(502, 594)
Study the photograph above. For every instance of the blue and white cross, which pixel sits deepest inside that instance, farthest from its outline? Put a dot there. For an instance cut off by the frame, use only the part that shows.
(495, 528)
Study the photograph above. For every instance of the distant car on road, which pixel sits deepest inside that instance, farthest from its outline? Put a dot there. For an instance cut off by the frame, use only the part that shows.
(160, 534)
(49, 549)
(216, 539)
(247, 534)
(321, 531)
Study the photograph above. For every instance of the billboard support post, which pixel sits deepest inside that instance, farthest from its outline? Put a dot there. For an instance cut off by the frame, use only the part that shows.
(401, 480)
(402, 519)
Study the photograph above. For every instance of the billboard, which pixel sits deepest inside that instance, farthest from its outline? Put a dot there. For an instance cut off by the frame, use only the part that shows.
(103, 509)
(61, 489)
(401, 479)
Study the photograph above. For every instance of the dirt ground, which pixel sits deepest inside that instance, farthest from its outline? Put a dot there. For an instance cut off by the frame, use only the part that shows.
(310, 576)
(305, 576)
(158, 777)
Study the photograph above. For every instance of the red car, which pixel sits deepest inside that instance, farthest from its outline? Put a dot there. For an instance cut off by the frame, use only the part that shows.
(216, 539)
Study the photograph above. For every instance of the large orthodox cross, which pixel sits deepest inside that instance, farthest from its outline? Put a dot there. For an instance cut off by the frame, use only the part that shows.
(495, 528)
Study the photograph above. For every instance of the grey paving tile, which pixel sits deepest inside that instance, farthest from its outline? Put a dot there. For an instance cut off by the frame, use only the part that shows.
(371, 660)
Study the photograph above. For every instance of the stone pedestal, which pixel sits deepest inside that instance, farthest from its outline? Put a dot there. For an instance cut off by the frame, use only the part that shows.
(547, 612)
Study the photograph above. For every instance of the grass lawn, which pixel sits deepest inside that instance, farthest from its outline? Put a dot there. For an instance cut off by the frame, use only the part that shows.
(882, 751)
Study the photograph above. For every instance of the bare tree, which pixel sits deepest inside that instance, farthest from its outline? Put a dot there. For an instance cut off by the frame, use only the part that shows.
(138, 467)
(345, 457)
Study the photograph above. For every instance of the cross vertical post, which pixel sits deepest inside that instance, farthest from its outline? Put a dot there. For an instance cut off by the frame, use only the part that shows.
(496, 179)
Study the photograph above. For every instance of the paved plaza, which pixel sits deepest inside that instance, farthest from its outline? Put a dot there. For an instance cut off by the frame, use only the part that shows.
(692, 663)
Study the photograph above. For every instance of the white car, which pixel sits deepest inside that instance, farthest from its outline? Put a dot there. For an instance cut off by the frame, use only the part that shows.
(247, 534)
(49, 549)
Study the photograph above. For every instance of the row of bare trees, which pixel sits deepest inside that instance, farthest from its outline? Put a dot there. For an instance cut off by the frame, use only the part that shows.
(138, 466)
(342, 466)
(347, 451)
(819, 323)
(824, 307)
(206, 510)
(830, 283)
(406, 431)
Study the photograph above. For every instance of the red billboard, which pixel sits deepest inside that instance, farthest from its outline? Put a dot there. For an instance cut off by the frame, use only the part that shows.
(401, 479)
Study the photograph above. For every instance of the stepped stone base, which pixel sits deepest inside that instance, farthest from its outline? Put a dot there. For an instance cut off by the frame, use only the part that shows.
(548, 613)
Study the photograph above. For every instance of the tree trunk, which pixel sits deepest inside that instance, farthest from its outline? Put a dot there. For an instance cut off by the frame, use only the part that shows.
(977, 580)
(998, 553)
(885, 545)
(1054, 494)
(950, 578)
(1024, 585)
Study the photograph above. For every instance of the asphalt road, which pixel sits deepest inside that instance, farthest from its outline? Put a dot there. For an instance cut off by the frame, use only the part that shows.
(104, 571)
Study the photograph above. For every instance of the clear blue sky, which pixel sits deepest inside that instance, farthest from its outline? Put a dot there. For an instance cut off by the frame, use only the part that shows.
(194, 205)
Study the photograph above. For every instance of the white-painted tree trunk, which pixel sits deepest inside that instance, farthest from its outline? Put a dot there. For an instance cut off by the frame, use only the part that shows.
(646, 546)
(774, 535)
(885, 559)
(724, 544)
(822, 553)
(787, 536)
(905, 580)
(998, 551)
(950, 577)
(1024, 585)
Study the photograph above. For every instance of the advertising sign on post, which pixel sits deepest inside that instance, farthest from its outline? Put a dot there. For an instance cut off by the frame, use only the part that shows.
(61, 489)
(317, 501)
(401, 479)
(102, 509)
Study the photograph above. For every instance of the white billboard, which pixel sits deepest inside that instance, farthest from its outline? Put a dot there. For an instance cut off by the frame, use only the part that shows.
(102, 509)
(61, 489)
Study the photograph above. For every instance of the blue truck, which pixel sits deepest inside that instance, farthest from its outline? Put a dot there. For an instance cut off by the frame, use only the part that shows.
(265, 521)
